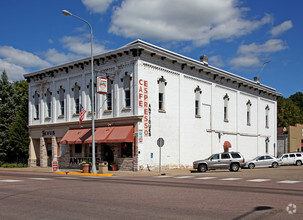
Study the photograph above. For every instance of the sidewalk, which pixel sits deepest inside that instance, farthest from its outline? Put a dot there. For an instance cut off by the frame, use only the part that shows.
(169, 172)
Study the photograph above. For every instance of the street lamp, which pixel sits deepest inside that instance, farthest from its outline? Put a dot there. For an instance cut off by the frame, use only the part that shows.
(67, 13)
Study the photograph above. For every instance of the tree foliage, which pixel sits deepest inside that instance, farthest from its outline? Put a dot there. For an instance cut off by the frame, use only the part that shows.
(289, 113)
(297, 99)
(14, 138)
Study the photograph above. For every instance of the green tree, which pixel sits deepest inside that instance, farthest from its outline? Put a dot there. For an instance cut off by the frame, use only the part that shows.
(288, 113)
(8, 108)
(297, 99)
(18, 133)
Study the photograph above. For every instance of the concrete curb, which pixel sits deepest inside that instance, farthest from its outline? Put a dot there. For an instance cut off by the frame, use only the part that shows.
(84, 174)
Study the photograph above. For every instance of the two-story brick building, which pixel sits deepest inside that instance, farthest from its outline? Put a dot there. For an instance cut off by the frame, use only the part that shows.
(152, 92)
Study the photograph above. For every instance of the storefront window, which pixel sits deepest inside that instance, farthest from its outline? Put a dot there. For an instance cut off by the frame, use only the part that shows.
(78, 148)
(126, 150)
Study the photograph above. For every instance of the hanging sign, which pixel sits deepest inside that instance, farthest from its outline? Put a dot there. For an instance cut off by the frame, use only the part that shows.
(101, 85)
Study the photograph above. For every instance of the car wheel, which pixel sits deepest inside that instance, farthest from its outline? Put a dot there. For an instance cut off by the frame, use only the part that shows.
(251, 166)
(275, 164)
(202, 168)
(234, 167)
(299, 163)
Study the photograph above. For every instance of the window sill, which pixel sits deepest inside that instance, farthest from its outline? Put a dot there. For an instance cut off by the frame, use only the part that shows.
(225, 120)
(61, 116)
(126, 109)
(161, 111)
(36, 119)
(108, 111)
(48, 118)
(75, 114)
(90, 113)
(267, 127)
(248, 124)
(197, 116)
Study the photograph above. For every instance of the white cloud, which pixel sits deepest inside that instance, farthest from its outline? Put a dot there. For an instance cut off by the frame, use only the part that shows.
(249, 55)
(79, 46)
(14, 72)
(269, 46)
(55, 57)
(97, 6)
(216, 61)
(199, 21)
(275, 31)
(21, 58)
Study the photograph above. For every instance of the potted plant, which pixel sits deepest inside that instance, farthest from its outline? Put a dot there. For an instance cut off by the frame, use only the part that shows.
(85, 166)
(114, 166)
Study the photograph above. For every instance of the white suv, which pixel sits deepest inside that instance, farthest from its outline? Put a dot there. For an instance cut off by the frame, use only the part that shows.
(295, 158)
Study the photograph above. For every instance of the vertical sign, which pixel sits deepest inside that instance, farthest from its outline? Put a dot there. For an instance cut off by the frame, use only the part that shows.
(140, 136)
(101, 85)
(143, 103)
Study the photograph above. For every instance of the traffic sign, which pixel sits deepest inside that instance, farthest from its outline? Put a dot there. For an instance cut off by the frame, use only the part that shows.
(160, 142)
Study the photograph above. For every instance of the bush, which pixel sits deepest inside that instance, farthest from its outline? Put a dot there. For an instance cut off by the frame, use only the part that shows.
(12, 165)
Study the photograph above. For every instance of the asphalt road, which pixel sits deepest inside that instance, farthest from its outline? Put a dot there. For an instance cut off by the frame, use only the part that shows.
(214, 195)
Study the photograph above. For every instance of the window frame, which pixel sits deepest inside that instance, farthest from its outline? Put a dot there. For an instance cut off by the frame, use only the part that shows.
(226, 107)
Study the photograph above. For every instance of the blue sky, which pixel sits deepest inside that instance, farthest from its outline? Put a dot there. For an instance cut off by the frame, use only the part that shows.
(237, 36)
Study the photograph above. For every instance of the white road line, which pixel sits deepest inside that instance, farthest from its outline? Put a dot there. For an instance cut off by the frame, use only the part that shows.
(231, 179)
(183, 177)
(162, 176)
(11, 181)
(67, 177)
(289, 181)
(259, 180)
(40, 178)
(206, 178)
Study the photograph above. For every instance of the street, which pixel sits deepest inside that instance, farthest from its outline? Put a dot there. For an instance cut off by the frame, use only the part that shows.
(214, 195)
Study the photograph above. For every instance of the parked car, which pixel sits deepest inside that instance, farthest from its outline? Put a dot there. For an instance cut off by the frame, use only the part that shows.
(263, 161)
(295, 158)
(227, 160)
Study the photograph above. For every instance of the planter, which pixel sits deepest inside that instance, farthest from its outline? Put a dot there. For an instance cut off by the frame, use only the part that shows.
(86, 168)
(114, 168)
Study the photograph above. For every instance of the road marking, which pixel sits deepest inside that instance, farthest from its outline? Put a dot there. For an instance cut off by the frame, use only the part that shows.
(10, 181)
(67, 177)
(289, 181)
(40, 178)
(258, 180)
(231, 179)
(162, 176)
(206, 178)
(183, 177)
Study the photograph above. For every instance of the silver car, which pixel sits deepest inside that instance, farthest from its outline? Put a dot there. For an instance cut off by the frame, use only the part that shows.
(295, 158)
(227, 160)
(263, 161)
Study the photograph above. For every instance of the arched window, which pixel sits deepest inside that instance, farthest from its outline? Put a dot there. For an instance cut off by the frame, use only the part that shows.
(162, 83)
(226, 101)
(49, 103)
(197, 102)
(61, 92)
(248, 112)
(109, 95)
(36, 103)
(127, 90)
(267, 116)
(76, 90)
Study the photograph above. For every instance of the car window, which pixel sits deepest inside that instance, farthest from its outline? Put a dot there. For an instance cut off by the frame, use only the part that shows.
(285, 156)
(261, 158)
(299, 155)
(235, 155)
(292, 155)
(215, 157)
(225, 156)
(268, 157)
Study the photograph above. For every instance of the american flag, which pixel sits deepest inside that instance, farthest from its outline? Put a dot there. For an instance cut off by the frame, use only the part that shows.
(81, 115)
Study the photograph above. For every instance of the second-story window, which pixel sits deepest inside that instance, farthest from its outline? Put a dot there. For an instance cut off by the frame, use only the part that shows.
(36, 103)
(162, 83)
(109, 95)
(197, 101)
(267, 116)
(127, 95)
(226, 101)
(61, 100)
(49, 103)
(248, 112)
(77, 98)
(90, 95)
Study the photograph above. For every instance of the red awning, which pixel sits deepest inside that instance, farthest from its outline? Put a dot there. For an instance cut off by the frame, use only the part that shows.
(101, 135)
(226, 144)
(76, 136)
(121, 134)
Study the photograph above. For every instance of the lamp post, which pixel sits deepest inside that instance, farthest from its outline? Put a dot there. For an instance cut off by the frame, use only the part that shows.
(67, 13)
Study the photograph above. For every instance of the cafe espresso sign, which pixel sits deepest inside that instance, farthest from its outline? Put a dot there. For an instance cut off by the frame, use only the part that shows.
(143, 103)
